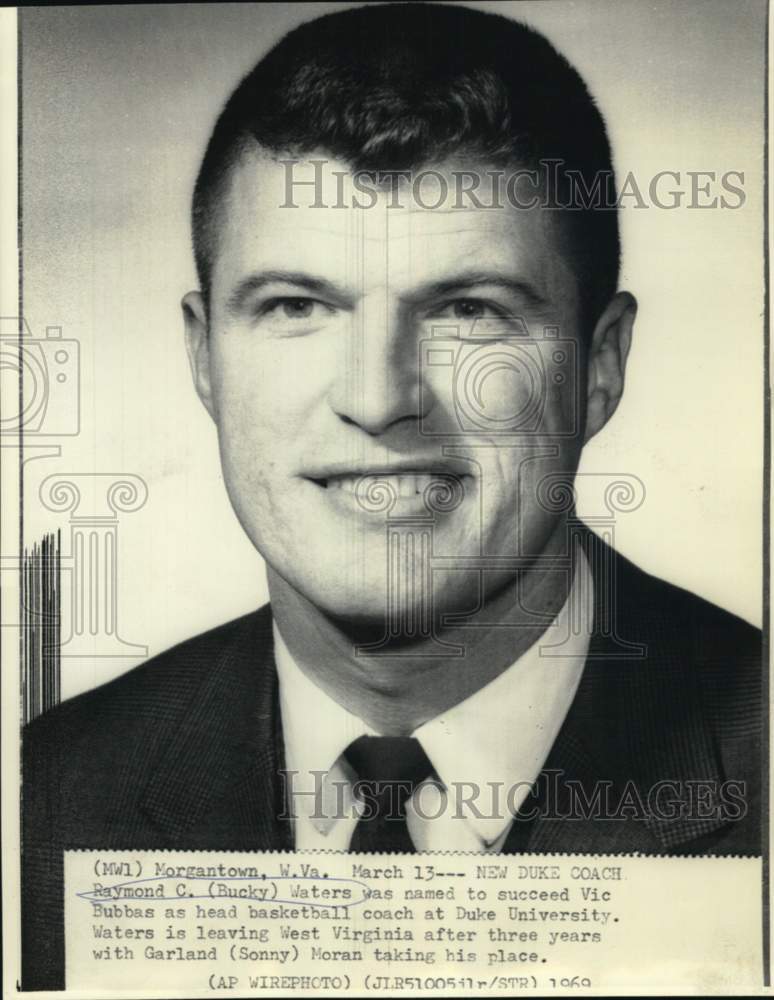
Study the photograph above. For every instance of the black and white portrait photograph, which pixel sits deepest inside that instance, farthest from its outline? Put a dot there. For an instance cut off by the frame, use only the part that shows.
(385, 462)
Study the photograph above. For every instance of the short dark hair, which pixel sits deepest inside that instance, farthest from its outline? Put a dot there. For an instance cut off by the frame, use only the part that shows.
(398, 86)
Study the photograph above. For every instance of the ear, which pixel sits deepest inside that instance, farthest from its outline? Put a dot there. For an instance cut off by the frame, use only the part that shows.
(609, 350)
(197, 344)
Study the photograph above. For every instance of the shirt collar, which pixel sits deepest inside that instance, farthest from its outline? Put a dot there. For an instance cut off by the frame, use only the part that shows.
(316, 729)
(500, 735)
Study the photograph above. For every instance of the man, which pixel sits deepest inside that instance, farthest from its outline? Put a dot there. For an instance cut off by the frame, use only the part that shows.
(408, 325)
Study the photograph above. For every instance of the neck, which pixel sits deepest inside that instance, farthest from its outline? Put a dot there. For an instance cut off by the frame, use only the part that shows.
(395, 694)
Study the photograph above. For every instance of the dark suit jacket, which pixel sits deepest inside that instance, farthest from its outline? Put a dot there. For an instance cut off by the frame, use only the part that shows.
(183, 751)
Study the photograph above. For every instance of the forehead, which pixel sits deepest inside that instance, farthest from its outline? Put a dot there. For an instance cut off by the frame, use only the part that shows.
(317, 215)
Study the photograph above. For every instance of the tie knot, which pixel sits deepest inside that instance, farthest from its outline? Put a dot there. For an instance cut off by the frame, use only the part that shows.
(389, 759)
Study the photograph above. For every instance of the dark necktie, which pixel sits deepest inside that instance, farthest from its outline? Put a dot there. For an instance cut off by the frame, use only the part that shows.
(388, 769)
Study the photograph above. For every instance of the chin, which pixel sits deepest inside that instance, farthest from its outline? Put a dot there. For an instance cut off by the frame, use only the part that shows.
(360, 610)
(360, 607)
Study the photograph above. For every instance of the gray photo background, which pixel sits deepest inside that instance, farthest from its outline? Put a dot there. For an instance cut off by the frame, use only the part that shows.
(117, 103)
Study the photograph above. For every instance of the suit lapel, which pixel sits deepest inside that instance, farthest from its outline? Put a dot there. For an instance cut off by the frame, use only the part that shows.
(216, 786)
(636, 722)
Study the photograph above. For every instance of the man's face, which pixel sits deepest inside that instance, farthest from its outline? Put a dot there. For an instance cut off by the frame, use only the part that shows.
(353, 358)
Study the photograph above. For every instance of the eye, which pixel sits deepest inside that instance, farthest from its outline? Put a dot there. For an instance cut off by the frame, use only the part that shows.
(472, 318)
(297, 308)
(291, 308)
(294, 314)
(467, 309)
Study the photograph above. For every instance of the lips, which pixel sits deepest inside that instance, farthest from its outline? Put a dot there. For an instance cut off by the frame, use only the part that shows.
(404, 485)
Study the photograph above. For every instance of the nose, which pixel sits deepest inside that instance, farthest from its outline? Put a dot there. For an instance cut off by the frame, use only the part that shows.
(377, 384)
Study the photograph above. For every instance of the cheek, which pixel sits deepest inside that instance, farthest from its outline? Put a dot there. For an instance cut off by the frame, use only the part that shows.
(249, 424)
(266, 390)
(563, 382)
(524, 490)
(256, 429)
(513, 388)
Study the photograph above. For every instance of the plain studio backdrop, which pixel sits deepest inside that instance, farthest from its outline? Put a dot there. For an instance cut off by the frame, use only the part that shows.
(117, 106)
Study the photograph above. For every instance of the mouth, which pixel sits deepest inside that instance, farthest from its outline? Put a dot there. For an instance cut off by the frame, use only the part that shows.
(404, 485)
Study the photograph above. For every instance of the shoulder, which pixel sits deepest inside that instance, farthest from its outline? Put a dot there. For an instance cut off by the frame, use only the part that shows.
(114, 719)
(672, 692)
(708, 637)
(696, 652)
(661, 656)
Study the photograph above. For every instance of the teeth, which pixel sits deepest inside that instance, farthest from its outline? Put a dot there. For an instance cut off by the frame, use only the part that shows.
(405, 486)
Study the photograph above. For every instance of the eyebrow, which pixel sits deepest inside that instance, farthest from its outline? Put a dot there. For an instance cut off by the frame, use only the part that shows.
(466, 281)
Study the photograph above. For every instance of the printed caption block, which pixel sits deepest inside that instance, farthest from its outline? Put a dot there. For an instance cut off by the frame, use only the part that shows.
(261, 924)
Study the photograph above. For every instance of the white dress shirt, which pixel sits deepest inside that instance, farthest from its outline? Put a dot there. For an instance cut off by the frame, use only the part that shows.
(500, 735)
